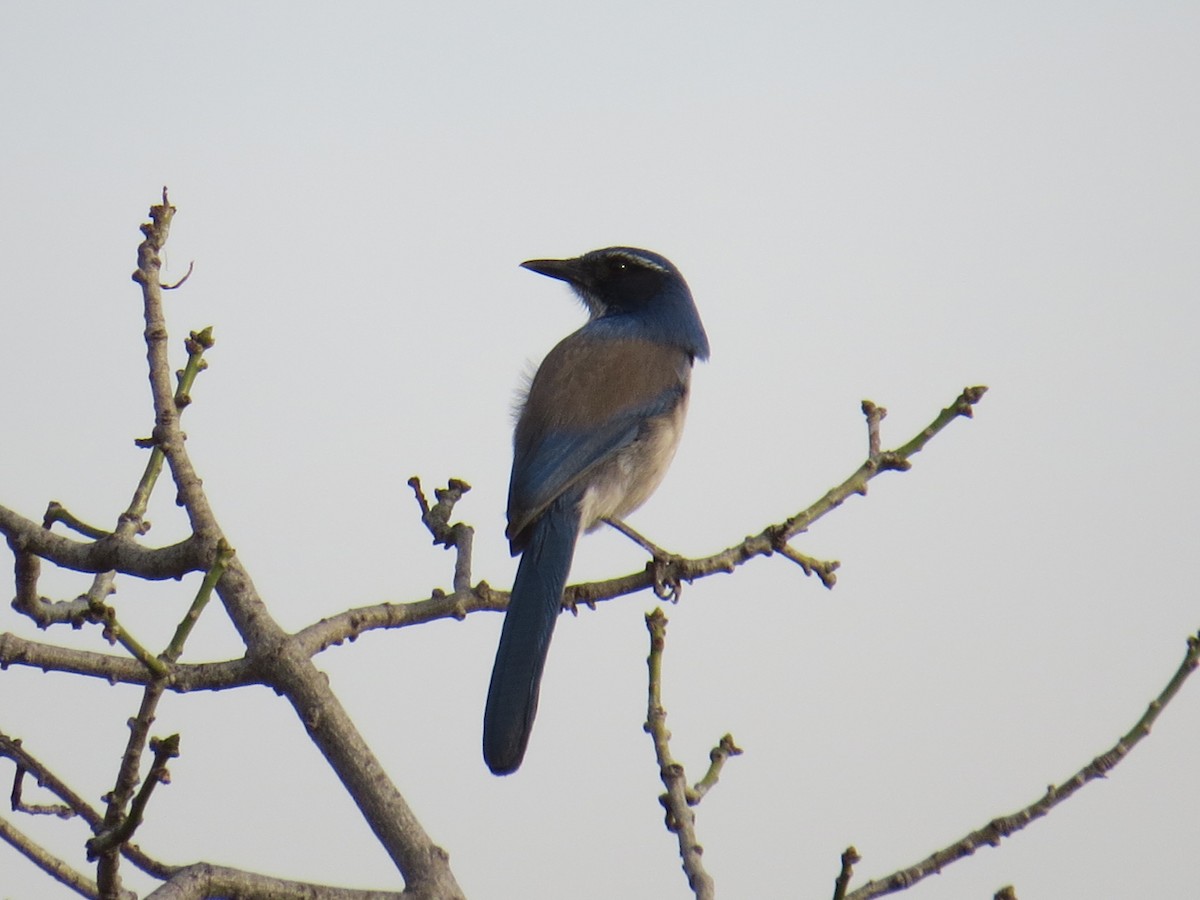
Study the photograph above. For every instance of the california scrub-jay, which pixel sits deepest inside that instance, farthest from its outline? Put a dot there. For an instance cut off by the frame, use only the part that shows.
(594, 436)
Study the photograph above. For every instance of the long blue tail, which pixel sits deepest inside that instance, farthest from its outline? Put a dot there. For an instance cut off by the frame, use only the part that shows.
(525, 639)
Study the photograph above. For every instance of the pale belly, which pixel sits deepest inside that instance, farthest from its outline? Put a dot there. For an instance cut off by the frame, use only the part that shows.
(626, 481)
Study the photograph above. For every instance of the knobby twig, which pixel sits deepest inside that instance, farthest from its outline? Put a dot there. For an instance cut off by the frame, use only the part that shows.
(850, 859)
(679, 798)
(105, 847)
(163, 750)
(437, 520)
(11, 748)
(996, 830)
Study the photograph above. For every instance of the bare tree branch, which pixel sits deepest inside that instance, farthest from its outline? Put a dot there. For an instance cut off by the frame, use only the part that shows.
(51, 864)
(111, 553)
(996, 830)
(106, 845)
(181, 677)
(204, 880)
(679, 799)
(668, 568)
(284, 661)
(289, 670)
(850, 859)
(11, 748)
(272, 656)
(465, 600)
(437, 520)
(111, 840)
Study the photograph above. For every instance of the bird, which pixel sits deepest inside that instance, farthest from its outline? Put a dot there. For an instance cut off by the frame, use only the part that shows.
(595, 432)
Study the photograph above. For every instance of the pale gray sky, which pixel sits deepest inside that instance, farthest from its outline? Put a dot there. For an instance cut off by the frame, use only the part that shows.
(883, 200)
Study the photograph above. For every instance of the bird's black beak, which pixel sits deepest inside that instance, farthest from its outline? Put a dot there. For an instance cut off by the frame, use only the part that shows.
(562, 269)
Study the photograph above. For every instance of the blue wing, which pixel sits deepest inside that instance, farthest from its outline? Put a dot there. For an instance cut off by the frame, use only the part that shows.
(589, 399)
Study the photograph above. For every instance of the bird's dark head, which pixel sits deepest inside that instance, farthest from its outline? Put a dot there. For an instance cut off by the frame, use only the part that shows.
(638, 290)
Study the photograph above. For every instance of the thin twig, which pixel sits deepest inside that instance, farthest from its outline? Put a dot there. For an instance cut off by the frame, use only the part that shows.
(163, 750)
(56, 868)
(203, 595)
(18, 804)
(638, 538)
(106, 845)
(850, 858)
(186, 276)
(824, 569)
(56, 512)
(436, 518)
(678, 799)
(11, 748)
(991, 834)
(717, 757)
